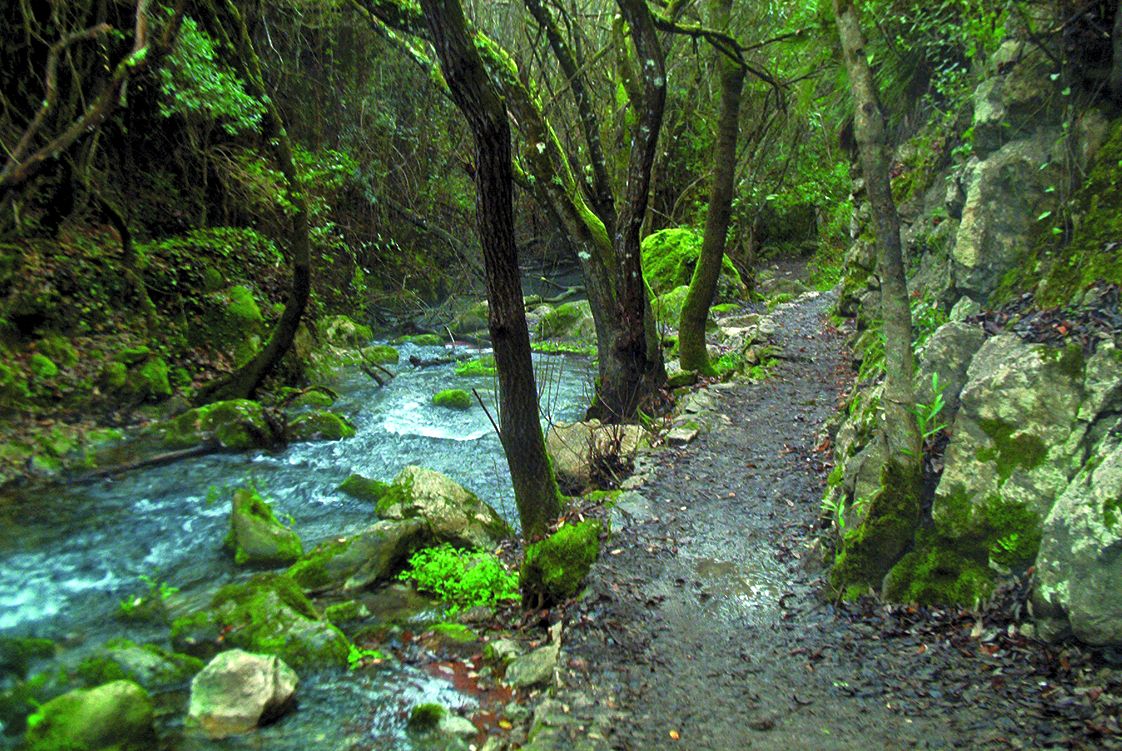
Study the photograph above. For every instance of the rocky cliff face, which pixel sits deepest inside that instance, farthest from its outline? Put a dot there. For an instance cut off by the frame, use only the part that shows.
(1011, 238)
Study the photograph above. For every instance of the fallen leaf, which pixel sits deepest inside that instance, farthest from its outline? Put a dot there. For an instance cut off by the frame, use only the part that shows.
(505, 724)
(675, 735)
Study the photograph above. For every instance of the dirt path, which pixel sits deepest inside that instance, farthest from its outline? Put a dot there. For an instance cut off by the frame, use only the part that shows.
(705, 628)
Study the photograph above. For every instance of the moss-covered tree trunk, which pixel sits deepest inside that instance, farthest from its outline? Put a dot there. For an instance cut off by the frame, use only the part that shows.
(535, 488)
(692, 353)
(869, 551)
(244, 381)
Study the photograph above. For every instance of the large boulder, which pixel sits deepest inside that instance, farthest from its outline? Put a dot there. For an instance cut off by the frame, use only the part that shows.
(570, 320)
(340, 331)
(150, 665)
(947, 356)
(238, 424)
(1079, 569)
(114, 717)
(1017, 443)
(256, 535)
(237, 691)
(452, 512)
(320, 425)
(1017, 96)
(361, 560)
(1004, 212)
(268, 614)
(576, 447)
(669, 257)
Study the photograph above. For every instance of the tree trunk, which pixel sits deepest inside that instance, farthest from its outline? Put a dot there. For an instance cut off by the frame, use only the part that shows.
(535, 488)
(245, 381)
(894, 512)
(1116, 61)
(693, 354)
(632, 371)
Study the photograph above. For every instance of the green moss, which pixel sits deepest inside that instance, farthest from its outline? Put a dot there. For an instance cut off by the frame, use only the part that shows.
(59, 349)
(560, 320)
(1011, 449)
(310, 572)
(42, 367)
(936, 574)
(149, 665)
(421, 340)
(481, 366)
(452, 398)
(320, 425)
(237, 424)
(132, 355)
(1069, 358)
(1013, 532)
(868, 551)
(342, 612)
(380, 354)
(256, 535)
(13, 385)
(669, 257)
(554, 569)
(564, 348)
(317, 398)
(456, 632)
(114, 375)
(150, 379)
(242, 307)
(363, 488)
(426, 717)
(17, 653)
(114, 717)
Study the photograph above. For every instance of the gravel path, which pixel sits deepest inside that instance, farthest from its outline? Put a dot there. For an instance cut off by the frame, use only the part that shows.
(706, 626)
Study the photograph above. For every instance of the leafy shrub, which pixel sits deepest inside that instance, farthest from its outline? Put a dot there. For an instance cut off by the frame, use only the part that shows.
(461, 578)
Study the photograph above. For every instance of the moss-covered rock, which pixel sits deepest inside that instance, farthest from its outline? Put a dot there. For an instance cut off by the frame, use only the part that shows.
(256, 535)
(480, 366)
(149, 380)
(317, 398)
(269, 614)
(363, 488)
(341, 331)
(421, 340)
(151, 666)
(935, 574)
(114, 717)
(361, 560)
(114, 375)
(13, 386)
(380, 354)
(42, 367)
(452, 399)
(238, 424)
(669, 257)
(132, 355)
(555, 568)
(570, 320)
(19, 653)
(453, 513)
(320, 425)
(59, 349)
(471, 320)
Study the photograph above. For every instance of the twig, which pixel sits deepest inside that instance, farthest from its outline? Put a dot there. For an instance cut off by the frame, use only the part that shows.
(487, 412)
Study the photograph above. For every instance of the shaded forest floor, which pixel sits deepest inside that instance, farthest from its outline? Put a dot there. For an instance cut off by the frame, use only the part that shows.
(708, 626)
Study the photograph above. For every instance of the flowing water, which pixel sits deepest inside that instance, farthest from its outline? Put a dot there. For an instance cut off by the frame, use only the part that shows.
(69, 554)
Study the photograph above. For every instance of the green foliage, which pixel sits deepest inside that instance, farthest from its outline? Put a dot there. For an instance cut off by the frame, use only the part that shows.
(452, 398)
(462, 578)
(147, 605)
(194, 82)
(927, 415)
(358, 657)
(927, 316)
(480, 366)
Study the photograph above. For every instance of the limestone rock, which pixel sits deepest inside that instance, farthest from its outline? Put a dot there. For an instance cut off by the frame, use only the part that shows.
(1017, 443)
(948, 354)
(238, 424)
(1004, 199)
(116, 715)
(361, 560)
(1016, 99)
(341, 331)
(681, 435)
(534, 668)
(570, 320)
(256, 535)
(452, 512)
(267, 614)
(237, 691)
(574, 448)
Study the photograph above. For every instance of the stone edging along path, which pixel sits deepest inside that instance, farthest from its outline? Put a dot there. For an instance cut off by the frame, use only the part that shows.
(705, 625)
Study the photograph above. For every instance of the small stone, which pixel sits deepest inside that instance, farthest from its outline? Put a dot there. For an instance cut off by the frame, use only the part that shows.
(535, 668)
(457, 726)
(681, 436)
(237, 691)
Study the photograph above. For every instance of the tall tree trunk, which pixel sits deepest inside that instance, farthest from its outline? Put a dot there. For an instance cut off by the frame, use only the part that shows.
(1116, 61)
(893, 513)
(632, 372)
(693, 354)
(245, 381)
(535, 488)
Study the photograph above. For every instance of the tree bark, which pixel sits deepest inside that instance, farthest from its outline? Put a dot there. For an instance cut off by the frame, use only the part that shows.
(692, 353)
(245, 381)
(894, 511)
(1116, 60)
(535, 487)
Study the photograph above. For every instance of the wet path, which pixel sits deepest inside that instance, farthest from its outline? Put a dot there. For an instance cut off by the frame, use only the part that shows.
(705, 627)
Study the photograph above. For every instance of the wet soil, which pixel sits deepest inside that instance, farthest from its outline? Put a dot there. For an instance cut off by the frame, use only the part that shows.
(708, 624)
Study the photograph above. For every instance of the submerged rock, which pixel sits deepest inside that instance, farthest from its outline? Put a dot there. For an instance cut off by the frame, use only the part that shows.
(269, 614)
(452, 399)
(256, 535)
(237, 691)
(555, 568)
(452, 512)
(363, 488)
(361, 560)
(117, 716)
(150, 665)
